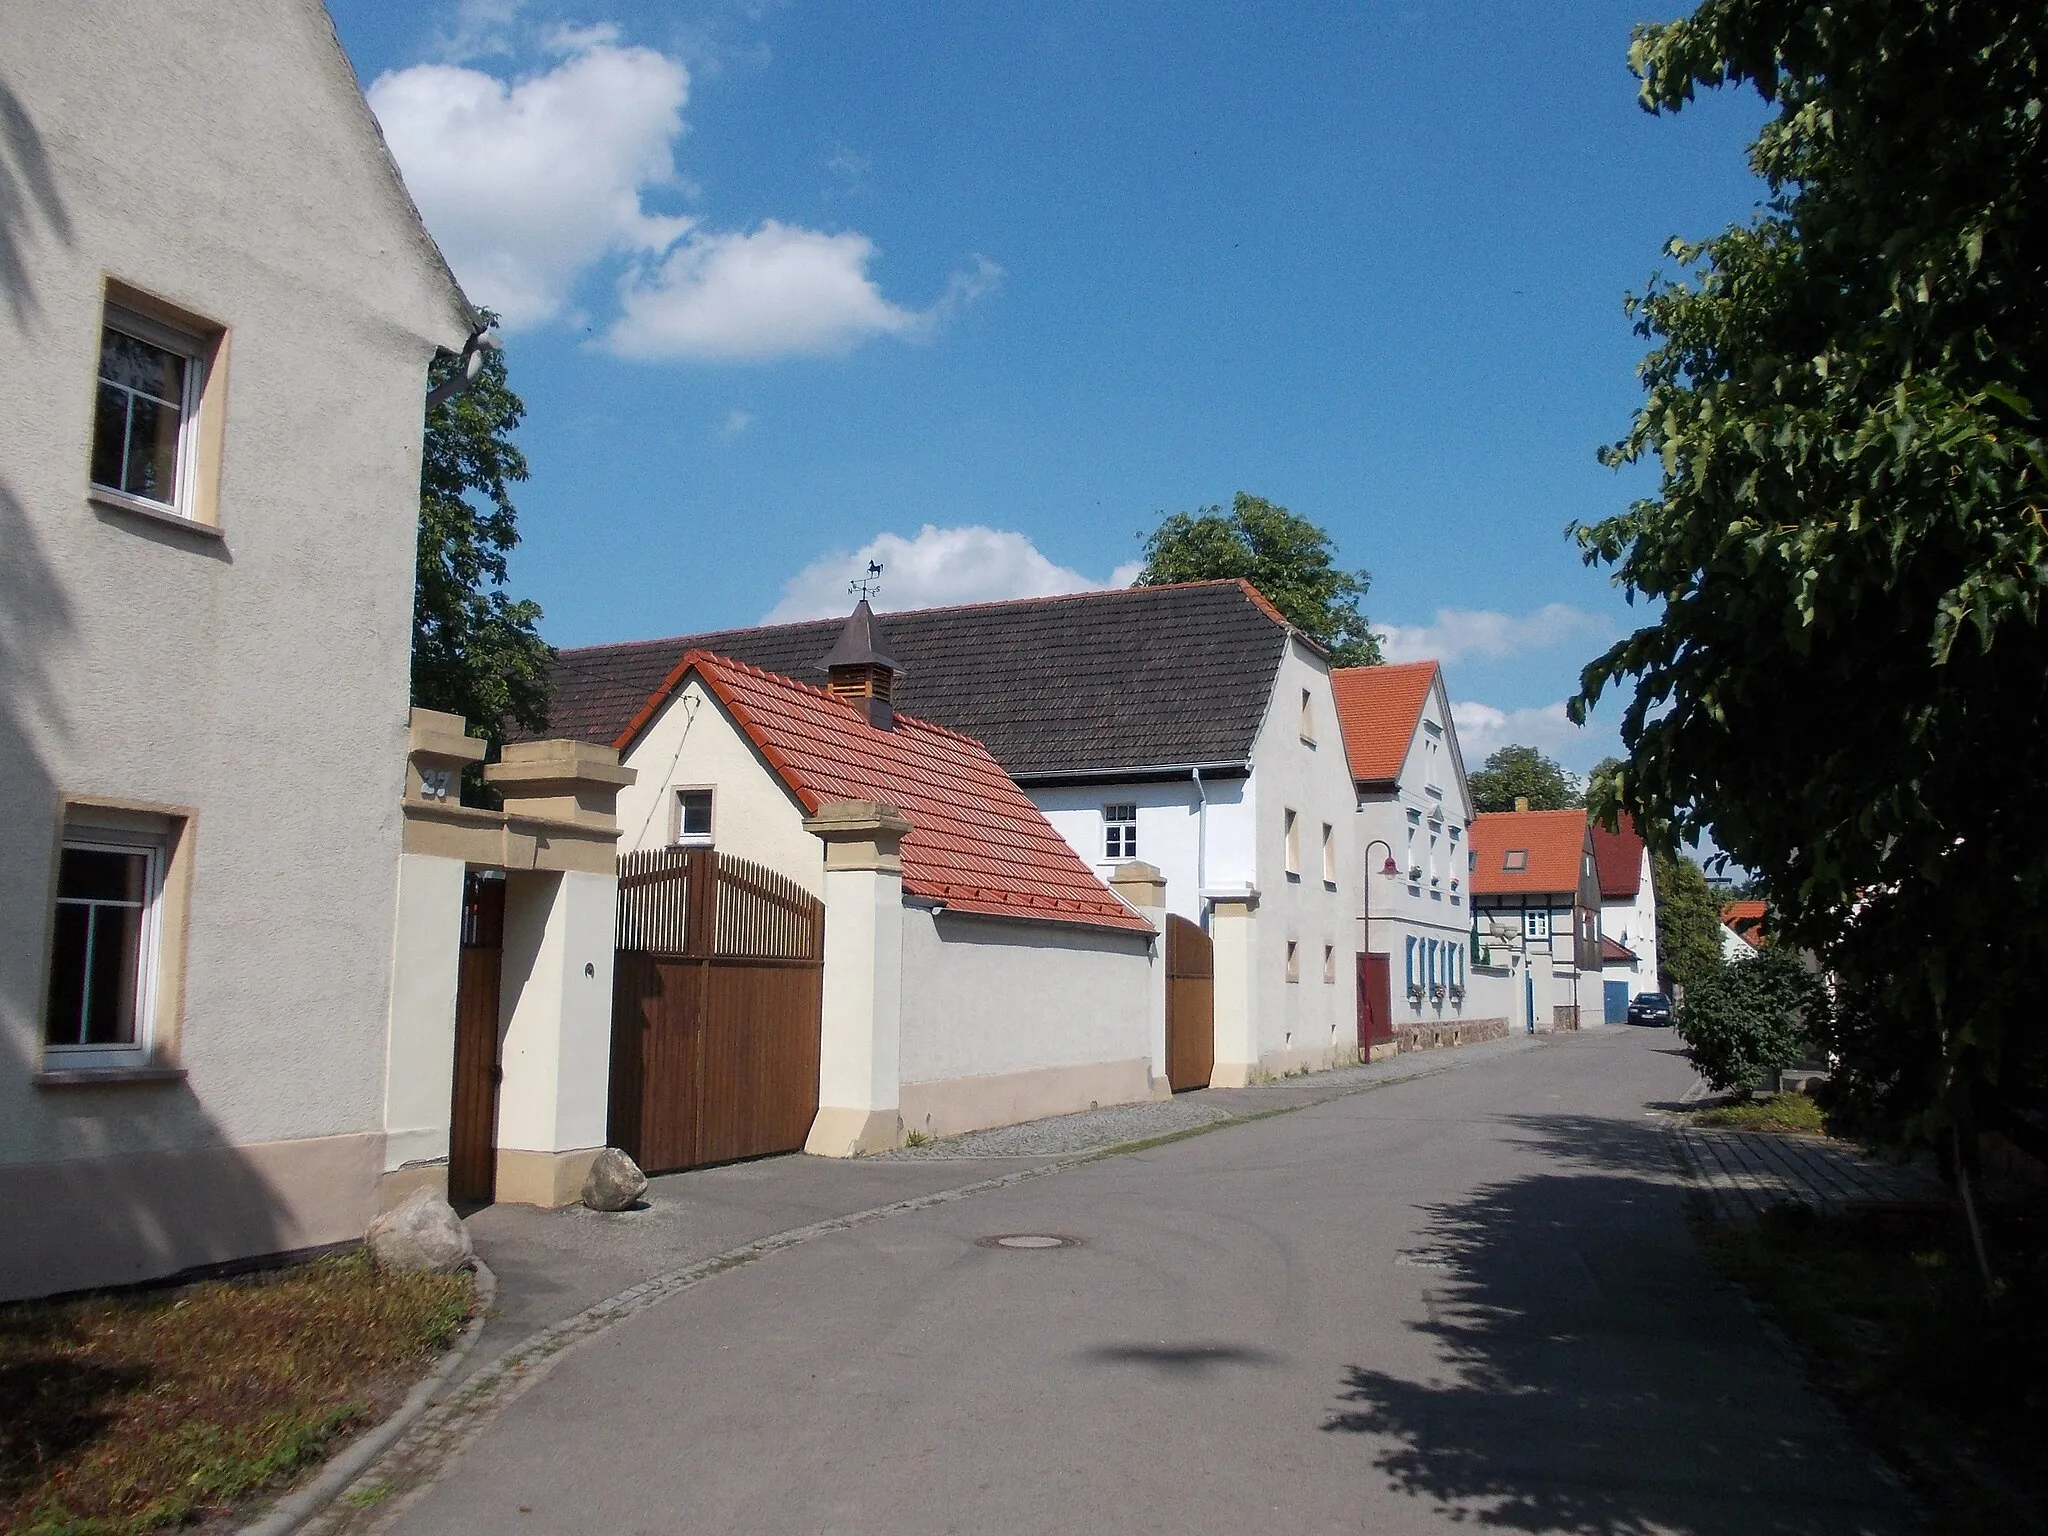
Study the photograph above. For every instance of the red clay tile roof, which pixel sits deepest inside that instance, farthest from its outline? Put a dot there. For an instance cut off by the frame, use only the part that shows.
(1553, 842)
(1618, 860)
(1378, 709)
(978, 845)
(1746, 918)
(1614, 952)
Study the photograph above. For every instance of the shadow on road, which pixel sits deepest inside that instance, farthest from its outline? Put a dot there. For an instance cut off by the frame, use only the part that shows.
(1593, 1379)
(1179, 1360)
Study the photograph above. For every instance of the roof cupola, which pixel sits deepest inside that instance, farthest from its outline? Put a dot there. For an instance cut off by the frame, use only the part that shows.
(859, 671)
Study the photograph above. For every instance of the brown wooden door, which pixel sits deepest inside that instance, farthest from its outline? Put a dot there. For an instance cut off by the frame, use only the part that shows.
(1375, 1001)
(716, 1019)
(473, 1117)
(1190, 1005)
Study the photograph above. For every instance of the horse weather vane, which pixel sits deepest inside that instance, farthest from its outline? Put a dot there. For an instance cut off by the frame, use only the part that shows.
(865, 587)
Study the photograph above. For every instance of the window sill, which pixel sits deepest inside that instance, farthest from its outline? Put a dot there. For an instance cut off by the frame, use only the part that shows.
(133, 506)
(93, 1077)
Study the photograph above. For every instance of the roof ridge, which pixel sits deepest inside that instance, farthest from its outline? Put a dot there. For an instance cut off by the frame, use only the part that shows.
(1257, 597)
(830, 697)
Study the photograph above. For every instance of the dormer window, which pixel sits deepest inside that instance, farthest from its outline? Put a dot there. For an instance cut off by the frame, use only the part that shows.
(1515, 861)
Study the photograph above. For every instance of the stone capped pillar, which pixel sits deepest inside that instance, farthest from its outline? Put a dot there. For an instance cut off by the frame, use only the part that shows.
(1233, 929)
(1144, 887)
(555, 1004)
(858, 1057)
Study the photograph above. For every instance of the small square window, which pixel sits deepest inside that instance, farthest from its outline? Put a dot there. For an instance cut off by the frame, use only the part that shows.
(1119, 832)
(1515, 861)
(103, 950)
(1293, 961)
(693, 817)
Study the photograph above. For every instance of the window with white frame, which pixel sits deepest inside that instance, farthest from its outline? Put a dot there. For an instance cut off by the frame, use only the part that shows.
(1293, 833)
(103, 949)
(144, 424)
(1120, 832)
(1536, 923)
(693, 818)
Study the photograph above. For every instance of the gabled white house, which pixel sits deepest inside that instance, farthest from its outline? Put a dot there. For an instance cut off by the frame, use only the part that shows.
(1411, 829)
(1628, 918)
(1189, 727)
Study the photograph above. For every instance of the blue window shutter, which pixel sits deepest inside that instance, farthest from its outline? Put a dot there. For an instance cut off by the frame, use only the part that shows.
(1409, 966)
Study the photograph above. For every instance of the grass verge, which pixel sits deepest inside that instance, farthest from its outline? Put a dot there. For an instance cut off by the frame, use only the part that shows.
(126, 1415)
(1890, 1315)
(1792, 1113)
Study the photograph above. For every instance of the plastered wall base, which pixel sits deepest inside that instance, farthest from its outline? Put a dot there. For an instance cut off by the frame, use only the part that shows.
(1231, 1074)
(951, 1106)
(549, 1180)
(853, 1132)
(397, 1186)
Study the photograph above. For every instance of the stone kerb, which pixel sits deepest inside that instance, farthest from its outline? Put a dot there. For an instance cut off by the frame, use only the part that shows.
(860, 1045)
(1143, 888)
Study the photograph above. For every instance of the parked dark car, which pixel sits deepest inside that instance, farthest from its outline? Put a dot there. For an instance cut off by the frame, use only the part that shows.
(1650, 1008)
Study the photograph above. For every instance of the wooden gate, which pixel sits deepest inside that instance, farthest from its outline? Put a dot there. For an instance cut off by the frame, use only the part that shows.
(716, 1003)
(1190, 1005)
(1375, 1001)
(473, 1117)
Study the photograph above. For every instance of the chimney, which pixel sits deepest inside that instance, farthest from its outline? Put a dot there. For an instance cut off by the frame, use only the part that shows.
(860, 672)
(1521, 802)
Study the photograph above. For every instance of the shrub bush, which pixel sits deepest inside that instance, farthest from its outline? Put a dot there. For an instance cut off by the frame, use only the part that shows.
(1748, 1018)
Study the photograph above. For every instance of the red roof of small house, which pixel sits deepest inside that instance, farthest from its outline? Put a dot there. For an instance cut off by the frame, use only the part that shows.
(1527, 852)
(977, 844)
(1614, 952)
(1618, 860)
(1746, 918)
(1378, 709)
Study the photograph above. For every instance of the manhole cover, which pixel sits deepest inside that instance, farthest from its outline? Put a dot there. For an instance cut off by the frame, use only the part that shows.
(1028, 1240)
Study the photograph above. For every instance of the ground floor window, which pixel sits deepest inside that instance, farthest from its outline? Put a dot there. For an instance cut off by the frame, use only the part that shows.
(103, 949)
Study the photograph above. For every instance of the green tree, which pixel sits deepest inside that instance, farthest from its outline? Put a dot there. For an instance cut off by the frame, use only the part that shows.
(1844, 678)
(1743, 1021)
(1288, 558)
(1517, 772)
(475, 651)
(1688, 919)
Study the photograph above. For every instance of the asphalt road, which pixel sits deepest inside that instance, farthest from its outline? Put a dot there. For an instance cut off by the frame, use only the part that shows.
(1470, 1299)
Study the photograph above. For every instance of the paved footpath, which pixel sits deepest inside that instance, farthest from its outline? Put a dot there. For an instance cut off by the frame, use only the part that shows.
(1469, 1299)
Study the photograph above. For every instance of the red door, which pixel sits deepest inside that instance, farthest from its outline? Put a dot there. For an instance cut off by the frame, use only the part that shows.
(1375, 1001)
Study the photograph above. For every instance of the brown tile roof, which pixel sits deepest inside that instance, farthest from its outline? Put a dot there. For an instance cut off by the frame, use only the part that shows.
(1618, 860)
(1614, 952)
(1379, 708)
(1746, 918)
(978, 844)
(1551, 844)
(1132, 678)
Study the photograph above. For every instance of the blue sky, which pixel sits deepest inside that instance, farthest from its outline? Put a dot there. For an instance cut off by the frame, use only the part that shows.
(788, 285)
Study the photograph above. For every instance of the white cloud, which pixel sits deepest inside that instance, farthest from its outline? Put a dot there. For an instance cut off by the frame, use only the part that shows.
(526, 185)
(529, 184)
(937, 566)
(1482, 729)
(776, 291)
(736, 421)
(1456, 633)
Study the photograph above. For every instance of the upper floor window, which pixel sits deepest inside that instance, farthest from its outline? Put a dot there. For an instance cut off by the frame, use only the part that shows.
(693, 817)
(1329, 965)
(1514, 861)
(1293, 960)
(1308, 717)
(1329, 854)
(156, 419)
(1120, 832)
(1293, 832)
(1536, 924)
